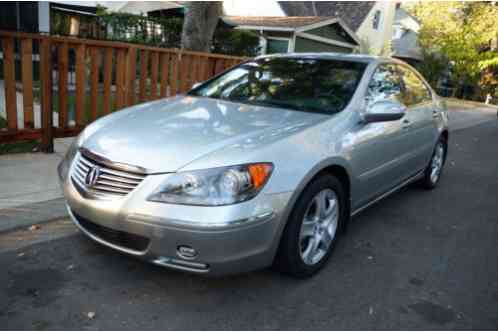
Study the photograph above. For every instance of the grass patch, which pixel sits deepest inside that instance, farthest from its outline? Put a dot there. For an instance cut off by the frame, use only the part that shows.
(3, 123)
(19, 147)
(16, 147)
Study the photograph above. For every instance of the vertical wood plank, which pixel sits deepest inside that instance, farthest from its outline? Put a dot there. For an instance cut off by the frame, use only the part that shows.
(184, 73)
(62, 65)
(143, 75)
(106, 98)
(27, 81)
(174, 74)
(164, 74)
(94, 82)
(120, 79)
(131, 75)
(80, 84)
(47, 142)
(219, 66)
(205, 68)
(154, 73)
(195, 69)
(212, 68)
(9, 82)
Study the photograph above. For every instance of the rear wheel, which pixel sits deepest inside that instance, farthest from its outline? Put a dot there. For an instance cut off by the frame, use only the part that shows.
(433, 172)
(313, 228)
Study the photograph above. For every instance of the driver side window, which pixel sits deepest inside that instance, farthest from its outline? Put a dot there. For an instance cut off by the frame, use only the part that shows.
(385, 84)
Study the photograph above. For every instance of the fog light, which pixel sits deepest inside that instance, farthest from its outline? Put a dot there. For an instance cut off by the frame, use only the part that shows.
(186, 252)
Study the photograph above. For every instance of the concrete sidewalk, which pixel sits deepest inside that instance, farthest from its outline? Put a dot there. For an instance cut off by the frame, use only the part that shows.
(28, 178)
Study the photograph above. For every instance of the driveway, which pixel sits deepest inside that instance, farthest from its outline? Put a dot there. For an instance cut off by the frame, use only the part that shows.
(417, 260)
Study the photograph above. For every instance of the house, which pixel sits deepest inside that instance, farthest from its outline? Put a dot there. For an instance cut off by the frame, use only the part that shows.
(298, 34)
(405, 45)
(278, 32)
(76, 18)
(370, 21)
(26, 16)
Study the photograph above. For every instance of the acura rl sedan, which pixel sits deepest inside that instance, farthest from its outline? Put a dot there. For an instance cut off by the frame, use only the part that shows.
(264, 164)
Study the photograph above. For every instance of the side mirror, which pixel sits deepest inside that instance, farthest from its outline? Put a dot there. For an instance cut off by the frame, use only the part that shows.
(196, 84)
(384, 110)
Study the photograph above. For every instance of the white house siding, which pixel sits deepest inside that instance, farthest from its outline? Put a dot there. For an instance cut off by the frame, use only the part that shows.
(378, 38)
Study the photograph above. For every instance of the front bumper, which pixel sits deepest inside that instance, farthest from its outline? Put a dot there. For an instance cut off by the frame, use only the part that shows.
(224, 240)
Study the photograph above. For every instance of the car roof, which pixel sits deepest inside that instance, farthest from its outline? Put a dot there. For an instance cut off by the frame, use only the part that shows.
(365, 58)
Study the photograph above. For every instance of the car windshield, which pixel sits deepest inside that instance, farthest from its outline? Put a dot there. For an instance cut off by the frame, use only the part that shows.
(304, 84)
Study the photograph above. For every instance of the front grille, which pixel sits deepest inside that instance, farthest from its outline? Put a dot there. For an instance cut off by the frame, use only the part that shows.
(108, 181)
(119, 238)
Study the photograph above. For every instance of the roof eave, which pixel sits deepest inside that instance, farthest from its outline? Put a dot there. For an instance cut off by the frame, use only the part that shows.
(264, 28)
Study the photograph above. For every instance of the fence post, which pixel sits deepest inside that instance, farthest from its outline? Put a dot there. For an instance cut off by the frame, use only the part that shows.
(47, 141)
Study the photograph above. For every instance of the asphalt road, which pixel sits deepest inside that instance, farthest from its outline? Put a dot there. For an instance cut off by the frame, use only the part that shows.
(417, 260)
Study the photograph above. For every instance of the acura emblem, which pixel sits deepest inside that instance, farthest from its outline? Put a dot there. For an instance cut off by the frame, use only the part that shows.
(92, 176)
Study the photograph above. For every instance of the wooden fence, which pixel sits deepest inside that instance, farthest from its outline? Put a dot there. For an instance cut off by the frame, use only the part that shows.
(108, 76)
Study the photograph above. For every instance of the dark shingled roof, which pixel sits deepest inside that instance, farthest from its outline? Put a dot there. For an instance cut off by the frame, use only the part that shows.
(353, 13)
(274, 21)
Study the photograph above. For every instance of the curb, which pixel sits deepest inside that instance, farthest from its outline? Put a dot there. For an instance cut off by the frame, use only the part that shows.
(31, 214)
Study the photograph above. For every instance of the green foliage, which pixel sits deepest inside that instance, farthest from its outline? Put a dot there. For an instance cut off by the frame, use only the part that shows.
(235, 42)
(153, 31)
(88, 26)
(166, 32)
(3, 122)
(141, 29)
(433, 67)
(18, 147)
(460, 31)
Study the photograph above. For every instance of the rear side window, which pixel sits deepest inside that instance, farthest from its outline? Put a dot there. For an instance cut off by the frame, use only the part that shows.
(385, 84)
(415, 91)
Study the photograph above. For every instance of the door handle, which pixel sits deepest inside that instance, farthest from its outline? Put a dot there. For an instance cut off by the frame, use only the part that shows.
(406, 124)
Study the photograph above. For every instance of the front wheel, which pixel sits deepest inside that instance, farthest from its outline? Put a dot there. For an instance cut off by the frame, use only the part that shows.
(313, 228)
(433, 172)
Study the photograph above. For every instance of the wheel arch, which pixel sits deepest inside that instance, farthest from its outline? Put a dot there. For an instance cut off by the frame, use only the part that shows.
(337, 167)
(445, 133)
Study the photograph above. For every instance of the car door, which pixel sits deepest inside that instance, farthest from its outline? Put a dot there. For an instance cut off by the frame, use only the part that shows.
(419, 119)
(380, 147)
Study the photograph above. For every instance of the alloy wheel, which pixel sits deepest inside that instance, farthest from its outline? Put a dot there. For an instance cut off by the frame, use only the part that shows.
(437, 162)
(319, 226)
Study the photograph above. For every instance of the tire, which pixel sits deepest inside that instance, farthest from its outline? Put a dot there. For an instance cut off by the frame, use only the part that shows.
(430, 180)
(300, 254)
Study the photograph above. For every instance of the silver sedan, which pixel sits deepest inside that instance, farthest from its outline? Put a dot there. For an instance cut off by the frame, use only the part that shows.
(261, 165)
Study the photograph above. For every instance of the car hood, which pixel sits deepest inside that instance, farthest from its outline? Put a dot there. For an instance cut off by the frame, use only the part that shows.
(165, 135)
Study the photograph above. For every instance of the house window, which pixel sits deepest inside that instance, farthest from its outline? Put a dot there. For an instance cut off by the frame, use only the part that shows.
(376, 20)
(277, 46)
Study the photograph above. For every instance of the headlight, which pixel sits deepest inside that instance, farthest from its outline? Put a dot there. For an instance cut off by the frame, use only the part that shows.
(216, 186)
(65, 164)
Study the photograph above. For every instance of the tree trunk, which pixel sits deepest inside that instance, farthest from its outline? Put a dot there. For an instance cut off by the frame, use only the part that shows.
(200, 22)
